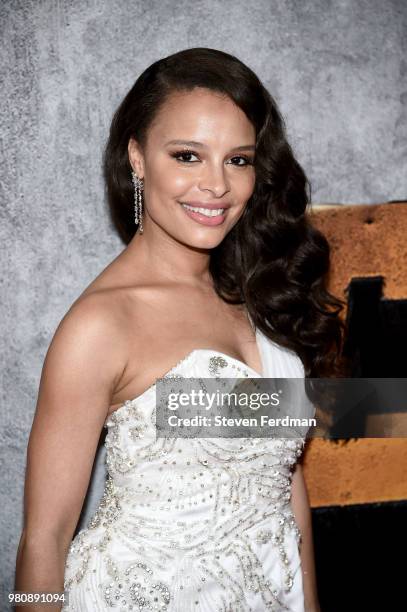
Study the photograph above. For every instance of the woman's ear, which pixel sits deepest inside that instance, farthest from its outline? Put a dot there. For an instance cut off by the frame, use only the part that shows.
(136, 158)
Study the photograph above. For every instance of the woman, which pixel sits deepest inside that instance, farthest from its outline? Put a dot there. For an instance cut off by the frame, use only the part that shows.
(219, 254)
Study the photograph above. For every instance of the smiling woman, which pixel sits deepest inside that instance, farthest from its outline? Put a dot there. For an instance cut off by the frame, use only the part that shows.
(223, 276)
(207, 179)
(200, 210)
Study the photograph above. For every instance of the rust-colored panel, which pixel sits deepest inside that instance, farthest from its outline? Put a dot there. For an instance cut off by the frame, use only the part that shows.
(366, 240)
(356, 471)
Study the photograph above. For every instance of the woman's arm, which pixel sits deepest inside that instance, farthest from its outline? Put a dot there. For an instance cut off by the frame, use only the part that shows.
(302, 512)
(80, 370)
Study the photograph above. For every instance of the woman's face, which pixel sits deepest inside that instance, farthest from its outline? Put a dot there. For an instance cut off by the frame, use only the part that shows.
(199, 153)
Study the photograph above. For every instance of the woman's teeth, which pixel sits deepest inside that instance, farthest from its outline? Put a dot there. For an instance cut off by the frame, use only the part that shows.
(205, 211)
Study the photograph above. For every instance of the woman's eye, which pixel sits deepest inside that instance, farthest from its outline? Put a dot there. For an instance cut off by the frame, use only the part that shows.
(185, 157)
(247, 161)
(183, 154)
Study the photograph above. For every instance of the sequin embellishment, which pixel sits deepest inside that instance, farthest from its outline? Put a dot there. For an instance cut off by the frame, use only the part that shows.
(215, 363)
(135, 585)
(186, 523)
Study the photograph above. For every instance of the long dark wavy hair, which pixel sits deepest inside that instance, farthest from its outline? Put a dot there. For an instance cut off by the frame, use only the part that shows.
(273, 260)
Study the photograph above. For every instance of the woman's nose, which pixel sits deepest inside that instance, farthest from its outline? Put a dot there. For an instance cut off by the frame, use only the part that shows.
(214, 179)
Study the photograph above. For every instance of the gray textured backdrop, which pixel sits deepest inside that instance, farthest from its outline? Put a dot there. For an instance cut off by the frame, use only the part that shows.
(337, 70)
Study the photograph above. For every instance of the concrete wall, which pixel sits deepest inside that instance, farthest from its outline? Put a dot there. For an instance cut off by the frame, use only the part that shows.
(337, 70)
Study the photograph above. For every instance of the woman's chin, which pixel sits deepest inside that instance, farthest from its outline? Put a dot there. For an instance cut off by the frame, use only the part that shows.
(201, 238)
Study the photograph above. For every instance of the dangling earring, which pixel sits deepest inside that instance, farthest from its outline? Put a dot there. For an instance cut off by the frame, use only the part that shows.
(138, 201)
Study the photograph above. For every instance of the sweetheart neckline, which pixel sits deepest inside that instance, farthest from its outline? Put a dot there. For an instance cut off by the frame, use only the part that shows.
(186, 358)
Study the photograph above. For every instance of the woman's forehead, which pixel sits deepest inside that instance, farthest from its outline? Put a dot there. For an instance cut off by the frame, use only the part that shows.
(200, 115)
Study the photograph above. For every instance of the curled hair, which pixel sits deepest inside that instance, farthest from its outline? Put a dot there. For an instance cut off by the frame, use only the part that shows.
(273, 260)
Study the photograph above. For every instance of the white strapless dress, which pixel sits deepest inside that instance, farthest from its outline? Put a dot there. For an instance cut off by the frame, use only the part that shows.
(192, 525)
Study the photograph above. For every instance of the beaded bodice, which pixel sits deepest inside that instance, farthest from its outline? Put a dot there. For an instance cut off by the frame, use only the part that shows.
(180, 514)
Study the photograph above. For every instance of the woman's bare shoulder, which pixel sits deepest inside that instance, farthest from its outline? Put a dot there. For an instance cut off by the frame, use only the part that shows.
(121, 292)
(108, 304)
(108, 312)
(114, 288)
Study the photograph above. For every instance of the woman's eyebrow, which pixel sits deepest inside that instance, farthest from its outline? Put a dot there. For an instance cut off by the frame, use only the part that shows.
(194, 143)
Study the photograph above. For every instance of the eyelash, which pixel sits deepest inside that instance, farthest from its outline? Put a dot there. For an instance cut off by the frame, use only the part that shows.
(249, 161)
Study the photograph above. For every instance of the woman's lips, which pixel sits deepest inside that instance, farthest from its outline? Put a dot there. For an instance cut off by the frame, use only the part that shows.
(203, 219)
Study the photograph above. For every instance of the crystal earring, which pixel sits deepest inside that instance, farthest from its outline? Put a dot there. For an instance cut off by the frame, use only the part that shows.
(138, 201)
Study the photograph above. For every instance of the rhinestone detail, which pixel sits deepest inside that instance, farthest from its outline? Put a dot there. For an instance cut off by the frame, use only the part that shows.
(176, 511)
